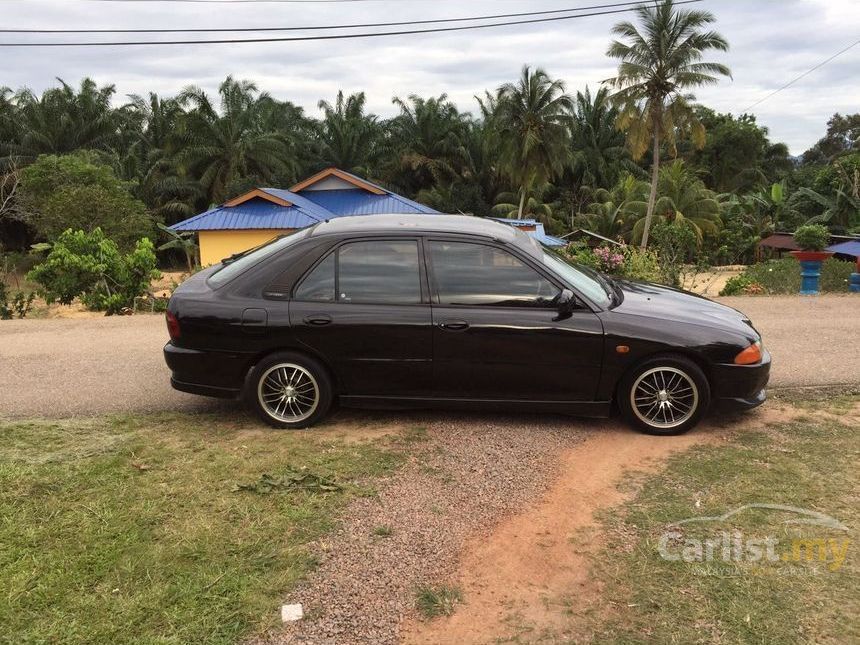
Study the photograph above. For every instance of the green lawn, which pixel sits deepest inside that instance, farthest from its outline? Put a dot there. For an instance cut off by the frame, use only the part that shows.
(812, 462)
(129, 529)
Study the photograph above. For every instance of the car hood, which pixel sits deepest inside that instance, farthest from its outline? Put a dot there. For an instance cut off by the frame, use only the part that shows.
(666, 303)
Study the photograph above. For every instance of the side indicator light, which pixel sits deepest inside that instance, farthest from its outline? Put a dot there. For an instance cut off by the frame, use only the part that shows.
(750, 355)
(622, 349)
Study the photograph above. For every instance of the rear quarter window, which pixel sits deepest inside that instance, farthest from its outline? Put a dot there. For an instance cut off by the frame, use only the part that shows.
(234, 268)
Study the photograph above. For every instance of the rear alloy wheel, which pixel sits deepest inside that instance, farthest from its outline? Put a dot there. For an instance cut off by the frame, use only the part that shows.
(665, 396)
(289, 390)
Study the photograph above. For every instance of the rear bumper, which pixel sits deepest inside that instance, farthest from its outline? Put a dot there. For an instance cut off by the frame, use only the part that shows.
(740, 387)
(208, 373)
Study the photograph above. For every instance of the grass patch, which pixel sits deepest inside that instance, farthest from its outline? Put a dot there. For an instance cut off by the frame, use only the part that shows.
(165, 528)
(383, 530)
(811, 464)
(437, 601)
(783, 277)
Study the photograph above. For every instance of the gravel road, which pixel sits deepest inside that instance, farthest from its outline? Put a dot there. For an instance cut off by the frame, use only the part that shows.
(61, 368)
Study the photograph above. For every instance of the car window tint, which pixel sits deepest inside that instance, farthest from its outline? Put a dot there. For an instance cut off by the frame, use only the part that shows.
(379, 272)
(241, 262)
(318, 285)
(477, 274)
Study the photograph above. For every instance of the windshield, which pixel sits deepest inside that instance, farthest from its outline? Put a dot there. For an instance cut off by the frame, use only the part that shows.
(589, 283)
(241, 262)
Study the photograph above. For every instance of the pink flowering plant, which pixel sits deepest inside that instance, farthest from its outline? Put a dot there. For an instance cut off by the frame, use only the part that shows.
(608, 260)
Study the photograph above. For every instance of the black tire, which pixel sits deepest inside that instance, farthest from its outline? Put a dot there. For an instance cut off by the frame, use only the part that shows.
(678, 402)
(306, 396)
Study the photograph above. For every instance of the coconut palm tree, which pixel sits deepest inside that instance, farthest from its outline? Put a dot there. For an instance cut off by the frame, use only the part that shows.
(350, 138)
(429, 139)
(659, 63)
(612, 209)
(682, 199)
(532, 118)
(598, 153)
(238, 144)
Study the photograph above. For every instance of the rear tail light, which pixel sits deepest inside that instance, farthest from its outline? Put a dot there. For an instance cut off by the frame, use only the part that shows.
(750, 355)
(172, 326)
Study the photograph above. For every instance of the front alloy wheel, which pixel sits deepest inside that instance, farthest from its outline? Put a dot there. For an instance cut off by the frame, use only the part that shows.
(665, 396)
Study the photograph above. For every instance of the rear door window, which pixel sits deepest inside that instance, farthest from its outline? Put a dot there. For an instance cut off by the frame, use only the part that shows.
(366, 272)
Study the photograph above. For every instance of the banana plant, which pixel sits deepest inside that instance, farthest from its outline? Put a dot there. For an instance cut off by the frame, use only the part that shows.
(182, 240)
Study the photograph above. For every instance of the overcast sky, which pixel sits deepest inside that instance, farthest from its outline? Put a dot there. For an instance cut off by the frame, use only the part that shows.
(772, 41)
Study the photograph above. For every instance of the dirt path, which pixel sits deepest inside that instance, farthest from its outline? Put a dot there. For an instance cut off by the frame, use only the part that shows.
(530, 576)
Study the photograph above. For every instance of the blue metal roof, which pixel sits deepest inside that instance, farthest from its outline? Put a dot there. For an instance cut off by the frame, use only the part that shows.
(846, 248)
(308, 208)
(360, 202)
(539, 233)
(256, 213)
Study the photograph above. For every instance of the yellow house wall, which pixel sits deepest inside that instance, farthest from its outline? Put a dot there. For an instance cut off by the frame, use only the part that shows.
(217, 245)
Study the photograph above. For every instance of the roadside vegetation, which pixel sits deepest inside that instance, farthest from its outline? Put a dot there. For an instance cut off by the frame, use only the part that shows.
(810, 463)
(166, 528)
(783, 277)
(622, 160)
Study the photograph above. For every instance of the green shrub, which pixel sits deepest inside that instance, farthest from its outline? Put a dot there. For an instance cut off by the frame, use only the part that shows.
(812, 237)
(90, 266)
(15, 304)
(641, 264)
(636, 265)
(674, 243)
(18, 307)
(783, 277)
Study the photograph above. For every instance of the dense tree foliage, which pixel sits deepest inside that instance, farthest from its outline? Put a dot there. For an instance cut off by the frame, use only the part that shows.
(83, 157)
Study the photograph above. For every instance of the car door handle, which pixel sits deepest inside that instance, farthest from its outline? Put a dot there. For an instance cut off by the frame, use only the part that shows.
(319, 320)
(454, 325)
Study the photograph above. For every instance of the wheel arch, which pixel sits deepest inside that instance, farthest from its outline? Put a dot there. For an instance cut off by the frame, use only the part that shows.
(666, 352)
(306, 351)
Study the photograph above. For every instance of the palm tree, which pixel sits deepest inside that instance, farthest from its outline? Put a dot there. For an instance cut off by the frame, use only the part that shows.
(236, 145)
(510, 205)
(598, 153)
(612, 209)
(152, 157)
(429, 138)
(532, 118)
(63, 120)
(684, 200)
(350, 138)
(659, 64)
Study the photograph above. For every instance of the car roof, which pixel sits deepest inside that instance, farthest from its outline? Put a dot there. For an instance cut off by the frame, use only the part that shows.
(424, 223)
(398, 223)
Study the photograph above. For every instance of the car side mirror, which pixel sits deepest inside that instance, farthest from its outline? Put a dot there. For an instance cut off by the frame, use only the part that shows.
(566, 303)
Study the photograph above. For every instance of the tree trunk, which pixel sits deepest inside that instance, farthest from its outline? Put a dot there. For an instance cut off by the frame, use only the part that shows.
(655, 171)
(522, 201)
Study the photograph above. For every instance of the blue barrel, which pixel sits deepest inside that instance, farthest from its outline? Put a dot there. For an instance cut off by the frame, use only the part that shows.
(854, 283)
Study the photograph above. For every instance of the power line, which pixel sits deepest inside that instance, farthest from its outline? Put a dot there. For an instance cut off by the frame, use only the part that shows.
(218, 41)
(314, 27)
(806, 73)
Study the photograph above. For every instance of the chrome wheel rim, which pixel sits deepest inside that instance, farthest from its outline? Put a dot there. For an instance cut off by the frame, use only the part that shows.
(664, 397)
(288, 392)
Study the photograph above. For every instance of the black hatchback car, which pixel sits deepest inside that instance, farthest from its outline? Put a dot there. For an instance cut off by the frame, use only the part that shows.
(452, 311)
